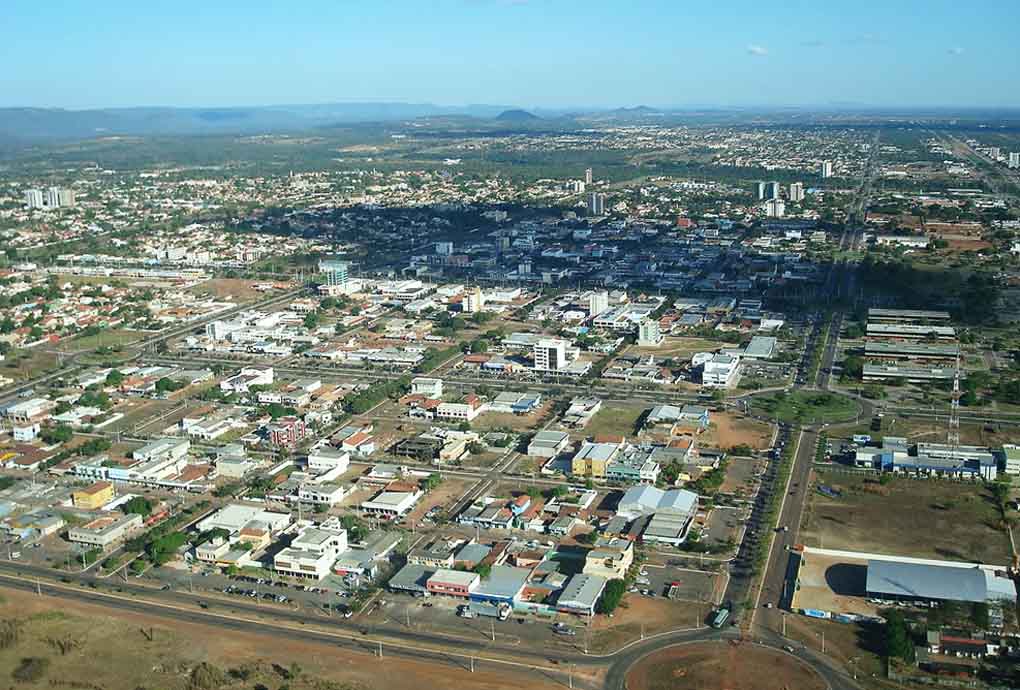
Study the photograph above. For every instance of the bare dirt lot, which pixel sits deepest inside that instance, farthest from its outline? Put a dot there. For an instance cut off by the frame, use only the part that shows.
(722, 666)
(958, 520)
(729, 429)
(132, 651)
(229, 289)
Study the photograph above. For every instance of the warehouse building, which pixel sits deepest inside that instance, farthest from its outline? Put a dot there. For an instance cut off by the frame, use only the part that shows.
(911, 351)
(925, 581)
(885, 372)
(910, 331)
(877, 315)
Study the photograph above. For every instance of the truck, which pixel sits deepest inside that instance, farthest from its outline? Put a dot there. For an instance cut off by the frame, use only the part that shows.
(480, 608)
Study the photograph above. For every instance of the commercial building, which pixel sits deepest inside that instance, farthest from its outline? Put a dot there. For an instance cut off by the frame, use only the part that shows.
(592, 459)
(473, 301)
(925, 581)
(93, 496)
(760, 347)
(334, 276)
(503, 585)
(611, 558)
(235, 517)
(548, 444)
(598, 302)
(391, 504)
(103, 532)
(321, 460)
(313, 551)
(581, 594)
(919, 352)
(913, 374)
(429, 387)
(1011, 459)
(717, 370)
(455, 583)
(879, 315)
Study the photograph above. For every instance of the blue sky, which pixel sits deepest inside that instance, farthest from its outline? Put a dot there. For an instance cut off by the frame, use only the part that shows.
(531, 53)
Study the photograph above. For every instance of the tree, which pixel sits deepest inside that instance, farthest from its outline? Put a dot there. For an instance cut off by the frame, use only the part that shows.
(168, 385)
(114, 378)
(612, 595)
(483, 570)
(311, 320)
(897, 637)
(139, 505)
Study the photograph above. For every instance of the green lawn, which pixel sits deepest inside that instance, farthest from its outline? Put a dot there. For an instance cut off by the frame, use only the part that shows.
(805, 406)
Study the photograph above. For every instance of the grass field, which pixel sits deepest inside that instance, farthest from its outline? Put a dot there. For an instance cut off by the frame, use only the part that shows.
(616, 419)
(805, 406)
(105, 338)
(906, 517)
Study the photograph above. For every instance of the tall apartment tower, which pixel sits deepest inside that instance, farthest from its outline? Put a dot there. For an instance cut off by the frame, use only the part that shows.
(796, 192)
(597, 204)
(772, 190)
(759, 189)
(588, 176)
(473, 301)
(1014, 159)
(33, 198)
(598, 302)
(826, 169)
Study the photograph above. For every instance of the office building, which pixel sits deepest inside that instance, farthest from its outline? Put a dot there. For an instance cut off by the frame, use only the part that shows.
(759, 191)
(796, 193)
(550, 354)
(444, 248)
(597, 204)
(1014, 159)
(334, 275)
(826, 169)
(33, 198)
(772, 190)
(588, 177)
(649, 333)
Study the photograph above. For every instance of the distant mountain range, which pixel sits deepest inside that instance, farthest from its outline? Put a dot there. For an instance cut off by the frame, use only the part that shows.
(34, 124)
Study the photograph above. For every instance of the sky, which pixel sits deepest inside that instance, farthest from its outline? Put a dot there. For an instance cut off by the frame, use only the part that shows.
(527, 53)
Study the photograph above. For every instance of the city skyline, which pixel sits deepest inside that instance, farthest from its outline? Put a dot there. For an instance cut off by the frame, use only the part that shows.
(529, 54)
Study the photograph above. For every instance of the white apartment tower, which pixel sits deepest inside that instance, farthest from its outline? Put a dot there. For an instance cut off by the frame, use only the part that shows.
(473, 301)
(33, 198)
(588, 176)
(1014, 159)
(826, 169)
(796, 192)
(598, 302)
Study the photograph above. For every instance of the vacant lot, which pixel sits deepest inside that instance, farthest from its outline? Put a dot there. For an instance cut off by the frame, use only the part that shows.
(678, 348)
(133, 651)
(730, 429)
(907, 517)
(721, 666)
(228, 289)
(616, 418)
(805, 406)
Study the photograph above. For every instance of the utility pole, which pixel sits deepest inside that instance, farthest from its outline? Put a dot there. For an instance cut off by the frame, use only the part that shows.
(380, 649)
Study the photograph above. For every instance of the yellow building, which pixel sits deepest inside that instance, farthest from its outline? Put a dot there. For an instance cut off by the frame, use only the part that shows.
(93, 496)
(593, 458)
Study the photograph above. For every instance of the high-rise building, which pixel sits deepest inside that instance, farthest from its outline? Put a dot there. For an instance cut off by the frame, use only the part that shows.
(1014, 159)
(598, 302)
(588, 177)
(576, 186)
(550, 354)
(334, 275)
(53, 197)
(65, 198)
(597, 204)
(775, 208)
(524, 268)
(772, 190)
(444, 248)
(33, 198)
(759, 190)
(826, 169)
(473, 301)
(796, 192)
(649, 333)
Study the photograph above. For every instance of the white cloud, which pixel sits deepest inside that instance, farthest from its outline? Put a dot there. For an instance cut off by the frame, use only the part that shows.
(760, 51)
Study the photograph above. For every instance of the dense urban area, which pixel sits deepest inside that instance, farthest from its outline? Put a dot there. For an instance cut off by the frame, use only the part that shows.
(514, 402)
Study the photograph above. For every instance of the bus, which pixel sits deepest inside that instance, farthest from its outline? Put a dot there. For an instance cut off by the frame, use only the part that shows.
(720, 617)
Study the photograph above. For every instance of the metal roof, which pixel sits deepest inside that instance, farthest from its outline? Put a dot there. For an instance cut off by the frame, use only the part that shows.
(582, 591)
(938, 582)
(504, 582)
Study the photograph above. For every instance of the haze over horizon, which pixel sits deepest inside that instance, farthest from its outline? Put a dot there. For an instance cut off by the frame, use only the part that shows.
(531, 54)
